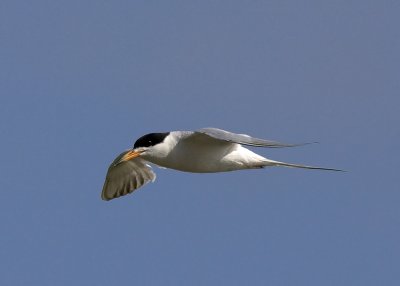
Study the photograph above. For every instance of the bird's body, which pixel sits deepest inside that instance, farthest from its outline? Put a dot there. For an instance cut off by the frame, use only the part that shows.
(188, 152)
(208, 150)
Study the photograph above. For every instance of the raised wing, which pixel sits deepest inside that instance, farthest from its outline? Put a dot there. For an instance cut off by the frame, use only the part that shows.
(126, 177)
(243, 139)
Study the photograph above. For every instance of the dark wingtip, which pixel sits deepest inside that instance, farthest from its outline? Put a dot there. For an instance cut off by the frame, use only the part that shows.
(331, 169)
(105, 198)
(307, 143)
(282, 145)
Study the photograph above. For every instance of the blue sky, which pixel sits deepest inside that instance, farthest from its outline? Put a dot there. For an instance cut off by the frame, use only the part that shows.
(81, 80)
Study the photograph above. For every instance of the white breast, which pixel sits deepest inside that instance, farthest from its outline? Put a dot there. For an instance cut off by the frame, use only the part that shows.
(200, 155)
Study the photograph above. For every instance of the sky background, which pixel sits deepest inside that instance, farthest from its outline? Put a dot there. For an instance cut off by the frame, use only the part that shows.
(80, 81)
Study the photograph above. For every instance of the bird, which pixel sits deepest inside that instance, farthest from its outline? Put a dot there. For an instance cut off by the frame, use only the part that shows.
(207, 150)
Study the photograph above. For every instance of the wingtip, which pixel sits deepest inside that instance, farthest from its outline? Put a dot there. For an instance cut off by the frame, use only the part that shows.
(307, 143)
(104, 198)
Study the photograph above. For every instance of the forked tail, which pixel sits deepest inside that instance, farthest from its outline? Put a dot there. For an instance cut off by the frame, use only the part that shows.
(277, 163)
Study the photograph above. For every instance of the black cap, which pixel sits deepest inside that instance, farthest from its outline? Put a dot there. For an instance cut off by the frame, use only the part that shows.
(150, 139)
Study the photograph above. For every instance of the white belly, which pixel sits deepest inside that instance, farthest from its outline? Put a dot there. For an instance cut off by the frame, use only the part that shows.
(204, 158)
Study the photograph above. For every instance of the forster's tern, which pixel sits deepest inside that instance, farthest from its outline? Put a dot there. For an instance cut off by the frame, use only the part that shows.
(207, 150)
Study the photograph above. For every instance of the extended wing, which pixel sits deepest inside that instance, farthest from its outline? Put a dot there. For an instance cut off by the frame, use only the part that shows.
(126, 177)
(243, 139)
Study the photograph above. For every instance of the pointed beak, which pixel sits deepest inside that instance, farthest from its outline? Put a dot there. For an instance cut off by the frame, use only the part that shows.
(130, 155)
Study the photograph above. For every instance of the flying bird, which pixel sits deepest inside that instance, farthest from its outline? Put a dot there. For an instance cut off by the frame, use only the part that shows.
(207, 150)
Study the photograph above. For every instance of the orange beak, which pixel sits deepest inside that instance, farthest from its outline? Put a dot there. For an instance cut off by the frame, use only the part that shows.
(130, 155)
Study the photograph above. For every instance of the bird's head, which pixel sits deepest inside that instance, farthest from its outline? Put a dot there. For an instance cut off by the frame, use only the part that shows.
(146, 146)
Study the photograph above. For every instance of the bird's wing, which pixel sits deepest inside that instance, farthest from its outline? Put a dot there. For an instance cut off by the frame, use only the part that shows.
(243, 139)
(125, 177)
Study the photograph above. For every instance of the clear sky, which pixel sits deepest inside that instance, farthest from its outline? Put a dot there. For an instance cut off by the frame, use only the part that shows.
(81, 80)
